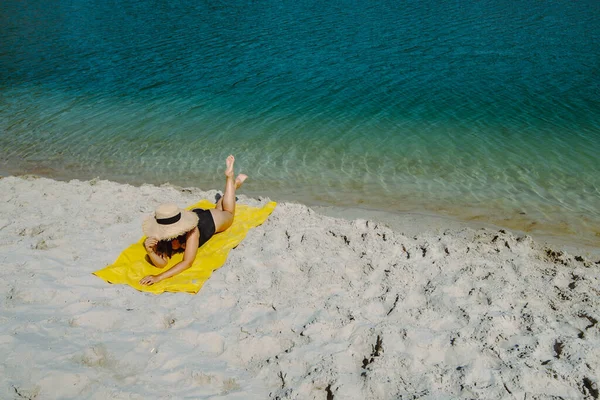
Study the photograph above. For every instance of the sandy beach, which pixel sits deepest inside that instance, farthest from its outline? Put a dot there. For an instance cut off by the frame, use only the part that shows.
(308, 306)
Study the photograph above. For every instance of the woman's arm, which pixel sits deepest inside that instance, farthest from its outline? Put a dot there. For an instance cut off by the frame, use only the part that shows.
(191, 249)
(156, 260)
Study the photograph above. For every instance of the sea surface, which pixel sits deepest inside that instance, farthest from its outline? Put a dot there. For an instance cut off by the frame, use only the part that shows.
(486, 110)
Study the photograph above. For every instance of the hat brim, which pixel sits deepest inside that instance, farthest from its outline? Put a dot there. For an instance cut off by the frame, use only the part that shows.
(188, 221)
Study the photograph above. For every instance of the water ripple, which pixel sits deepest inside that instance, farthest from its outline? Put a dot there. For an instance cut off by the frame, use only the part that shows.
(482, 110)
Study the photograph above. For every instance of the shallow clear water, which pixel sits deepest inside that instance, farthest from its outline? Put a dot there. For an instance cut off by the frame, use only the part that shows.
(487, 111)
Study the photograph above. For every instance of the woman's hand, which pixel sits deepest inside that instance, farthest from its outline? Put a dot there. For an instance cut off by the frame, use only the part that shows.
(150, 280)
(150, 244)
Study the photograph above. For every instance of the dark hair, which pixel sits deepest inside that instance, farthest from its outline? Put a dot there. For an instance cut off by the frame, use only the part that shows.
(164, 247)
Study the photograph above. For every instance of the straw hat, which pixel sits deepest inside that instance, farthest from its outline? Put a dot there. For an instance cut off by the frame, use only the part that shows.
(169, 221)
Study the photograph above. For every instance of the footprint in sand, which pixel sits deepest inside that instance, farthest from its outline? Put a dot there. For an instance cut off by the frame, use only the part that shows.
(206, 342)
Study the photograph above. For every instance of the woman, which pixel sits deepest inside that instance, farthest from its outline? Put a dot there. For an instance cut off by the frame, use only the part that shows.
(173, 230)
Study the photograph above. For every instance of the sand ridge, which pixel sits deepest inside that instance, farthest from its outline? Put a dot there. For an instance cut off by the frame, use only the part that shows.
(306, 307)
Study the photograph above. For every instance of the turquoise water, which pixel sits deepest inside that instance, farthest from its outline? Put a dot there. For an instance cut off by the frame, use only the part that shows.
(487, 111)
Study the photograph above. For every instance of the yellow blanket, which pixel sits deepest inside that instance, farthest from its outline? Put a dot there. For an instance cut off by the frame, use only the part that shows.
(131, 266)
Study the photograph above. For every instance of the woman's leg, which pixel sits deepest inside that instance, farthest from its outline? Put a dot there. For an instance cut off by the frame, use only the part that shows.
(224, 212)
(238, 182)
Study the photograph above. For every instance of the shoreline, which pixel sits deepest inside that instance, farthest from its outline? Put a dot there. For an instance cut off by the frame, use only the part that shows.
(414, 223)
(401, 221)
(306, 306)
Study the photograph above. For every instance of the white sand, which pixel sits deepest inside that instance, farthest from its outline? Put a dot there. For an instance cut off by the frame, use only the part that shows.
(307, 307)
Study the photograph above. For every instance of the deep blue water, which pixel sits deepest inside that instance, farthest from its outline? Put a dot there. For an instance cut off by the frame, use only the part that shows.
(486, 110)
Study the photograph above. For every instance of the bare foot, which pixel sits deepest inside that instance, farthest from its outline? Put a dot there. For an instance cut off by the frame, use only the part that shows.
(239, 180)
(229, 171)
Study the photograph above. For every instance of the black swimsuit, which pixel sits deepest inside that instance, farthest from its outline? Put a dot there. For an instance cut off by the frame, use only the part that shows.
(206, 225)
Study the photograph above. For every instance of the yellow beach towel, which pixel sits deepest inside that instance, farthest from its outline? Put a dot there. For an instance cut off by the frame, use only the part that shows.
(131, 265)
